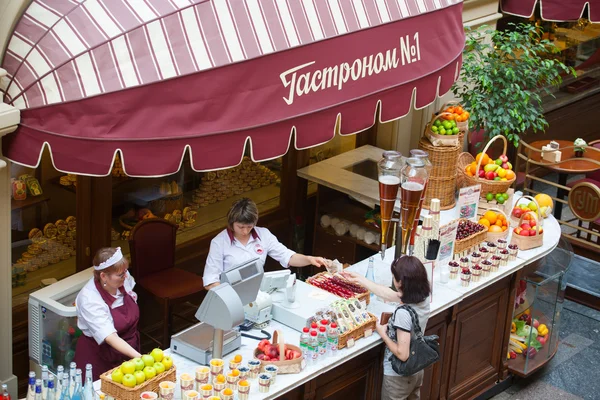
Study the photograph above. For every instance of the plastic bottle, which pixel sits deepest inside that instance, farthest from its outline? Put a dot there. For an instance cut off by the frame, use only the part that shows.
(51, 390)
(313, 347)
(304, 344)
(333, 336)
(78, 392)
(322, 338)
(44, 380)
(72, 373)
(31, 388)
(371, 273)
(5, 395)
(60, 371)
(88, 389)
(38, 389)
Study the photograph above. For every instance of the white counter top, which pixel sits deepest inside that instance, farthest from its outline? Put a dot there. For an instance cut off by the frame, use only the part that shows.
(444, 296)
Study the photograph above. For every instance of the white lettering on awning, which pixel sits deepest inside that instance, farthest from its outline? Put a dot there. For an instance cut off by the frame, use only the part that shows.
(303, 83)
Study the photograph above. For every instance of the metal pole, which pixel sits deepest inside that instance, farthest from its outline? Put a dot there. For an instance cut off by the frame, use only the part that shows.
(217, 350)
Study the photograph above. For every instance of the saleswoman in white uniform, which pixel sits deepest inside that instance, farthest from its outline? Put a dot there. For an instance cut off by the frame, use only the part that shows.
(242, 240)
(108, 314)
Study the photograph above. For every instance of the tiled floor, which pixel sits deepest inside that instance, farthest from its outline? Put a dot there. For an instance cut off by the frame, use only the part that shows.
(573, 373)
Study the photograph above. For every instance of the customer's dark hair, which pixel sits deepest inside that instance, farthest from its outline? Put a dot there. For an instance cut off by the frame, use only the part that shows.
(411, 274)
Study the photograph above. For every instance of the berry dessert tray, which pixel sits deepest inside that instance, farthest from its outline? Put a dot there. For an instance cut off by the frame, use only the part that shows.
(339, 286)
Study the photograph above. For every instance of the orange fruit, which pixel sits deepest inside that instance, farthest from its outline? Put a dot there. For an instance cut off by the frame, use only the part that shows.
(206, 387)
(484, 222)
(498, 222)
(491, 216)
(237, 358)
(221, 378)
(543, 200)
(495, 228)
(504, 227)
(473, 168)
(244, 383)
(235, 372)
(510, 174)
(227, 392)
(458, 109)
(484, 158)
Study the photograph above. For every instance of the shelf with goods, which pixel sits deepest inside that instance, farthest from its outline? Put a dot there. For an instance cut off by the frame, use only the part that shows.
(30, 201)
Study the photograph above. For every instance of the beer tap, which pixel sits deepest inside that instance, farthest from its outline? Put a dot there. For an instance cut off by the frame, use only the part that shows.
(389, 170)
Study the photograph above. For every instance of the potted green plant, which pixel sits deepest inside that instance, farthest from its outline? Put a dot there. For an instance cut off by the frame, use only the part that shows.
(580, 146)
(503, 79)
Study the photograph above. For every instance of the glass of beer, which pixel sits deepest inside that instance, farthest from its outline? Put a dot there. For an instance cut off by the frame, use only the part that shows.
(418, 153)
(414, 179)
(389, 170)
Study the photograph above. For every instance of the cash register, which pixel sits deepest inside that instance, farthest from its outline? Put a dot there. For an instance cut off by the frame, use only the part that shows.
(221, 310)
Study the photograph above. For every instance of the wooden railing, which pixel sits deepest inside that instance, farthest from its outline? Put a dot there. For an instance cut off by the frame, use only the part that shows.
(525, 155)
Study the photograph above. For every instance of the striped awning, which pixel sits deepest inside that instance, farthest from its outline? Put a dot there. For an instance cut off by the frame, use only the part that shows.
(152, 79)
(554, 10)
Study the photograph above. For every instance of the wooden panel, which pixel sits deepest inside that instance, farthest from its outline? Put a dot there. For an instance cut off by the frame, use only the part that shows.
(433, 374)
(477, 346)
(331, 246)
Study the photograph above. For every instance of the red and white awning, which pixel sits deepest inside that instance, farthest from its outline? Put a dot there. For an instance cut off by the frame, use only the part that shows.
(553, 10)
(156, 78)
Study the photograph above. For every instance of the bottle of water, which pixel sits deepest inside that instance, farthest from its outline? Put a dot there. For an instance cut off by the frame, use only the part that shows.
(60, 371)
(371, 273)
(88, 389)
(313, 347)
(333, 336)
(78, 392)
(72, 374)
(38, 389)
(64, 393)
(322, 338)
(51, 392)
(304, 344)
(5, 394)
(44, 380)
(31, 387)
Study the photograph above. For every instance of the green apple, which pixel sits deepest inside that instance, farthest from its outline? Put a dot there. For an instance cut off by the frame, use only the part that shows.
(117, 375)
(159, 367)
(139, 363)
(129, 380)
(532, 206)
(140, 377)
(128, 367)
(167, 362)
(157, 354)
(150, 372)
(148, 360)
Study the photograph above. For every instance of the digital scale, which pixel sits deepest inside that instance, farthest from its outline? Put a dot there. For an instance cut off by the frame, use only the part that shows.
(221, 310)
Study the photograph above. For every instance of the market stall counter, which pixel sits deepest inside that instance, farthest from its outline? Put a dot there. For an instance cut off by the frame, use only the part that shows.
(473, 324)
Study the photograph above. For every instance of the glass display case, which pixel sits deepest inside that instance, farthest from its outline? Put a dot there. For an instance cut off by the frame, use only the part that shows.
(537, 312)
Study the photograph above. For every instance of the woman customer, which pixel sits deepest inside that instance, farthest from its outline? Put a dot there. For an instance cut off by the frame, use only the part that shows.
(242, 241)
(410, 280)
(108, 314)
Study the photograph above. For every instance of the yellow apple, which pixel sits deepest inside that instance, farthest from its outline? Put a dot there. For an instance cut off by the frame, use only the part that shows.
(167, 362)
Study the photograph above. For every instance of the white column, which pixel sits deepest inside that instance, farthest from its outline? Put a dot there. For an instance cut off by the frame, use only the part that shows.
(6, 358)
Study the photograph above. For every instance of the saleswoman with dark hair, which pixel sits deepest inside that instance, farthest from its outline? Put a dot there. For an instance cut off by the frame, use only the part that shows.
(410, 279)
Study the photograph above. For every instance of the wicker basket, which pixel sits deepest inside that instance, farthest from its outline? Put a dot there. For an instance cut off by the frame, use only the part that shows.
(121, 392)
(529, 242)
(357, 332)
(487, 186)
(443, 189)
(166, 204)
(294, 366)
(470, 241)
(366, 297)
(442, 181)
(463, 126)
(514, 221)
(440, 140)
(493, 236)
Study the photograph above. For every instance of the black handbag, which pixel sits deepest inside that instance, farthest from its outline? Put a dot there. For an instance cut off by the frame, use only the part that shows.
(424, 350)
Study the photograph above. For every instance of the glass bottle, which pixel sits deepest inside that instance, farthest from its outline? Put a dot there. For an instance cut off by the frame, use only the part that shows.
(51, 389)
(388, 170)
(88, 389)
(78, 392)
(5, 394)
(423, 155)
(72, 373)
(65, 394)
(371, 272)
(44, 380)
(38, 389)
(60, 370)
(31, 387)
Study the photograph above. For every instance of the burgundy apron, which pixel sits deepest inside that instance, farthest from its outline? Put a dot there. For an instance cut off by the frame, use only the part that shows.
(125, 318)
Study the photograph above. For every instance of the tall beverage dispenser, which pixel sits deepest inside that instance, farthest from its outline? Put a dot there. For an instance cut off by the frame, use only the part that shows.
(389, 170)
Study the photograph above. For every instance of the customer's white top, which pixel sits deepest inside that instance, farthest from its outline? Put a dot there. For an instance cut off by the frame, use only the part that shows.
(226, 252)
(93, 314)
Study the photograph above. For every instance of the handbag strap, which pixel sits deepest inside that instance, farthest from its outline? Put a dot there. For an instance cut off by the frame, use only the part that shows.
(413, 316)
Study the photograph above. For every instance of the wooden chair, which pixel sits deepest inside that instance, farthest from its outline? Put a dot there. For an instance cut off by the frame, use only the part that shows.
(152, 246)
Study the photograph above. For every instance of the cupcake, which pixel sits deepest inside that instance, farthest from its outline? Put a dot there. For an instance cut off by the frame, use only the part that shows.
(486, 266)
(465, 277)
(454, 267)
(476, 272)
(513, 249)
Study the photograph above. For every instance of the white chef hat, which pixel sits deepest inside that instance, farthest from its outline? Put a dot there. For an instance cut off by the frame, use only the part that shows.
(115, 258)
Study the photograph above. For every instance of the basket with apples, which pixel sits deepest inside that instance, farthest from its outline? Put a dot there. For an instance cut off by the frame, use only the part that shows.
(529, 232)
(133, 377)
(442, 130)
(494, 175)
(458, 114)
(287, 357)
(541, 202)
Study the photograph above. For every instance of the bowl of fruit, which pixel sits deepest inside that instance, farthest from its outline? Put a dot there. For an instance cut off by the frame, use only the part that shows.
(496, 223)
(469, 234)
(287, 357)
(541, 202)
